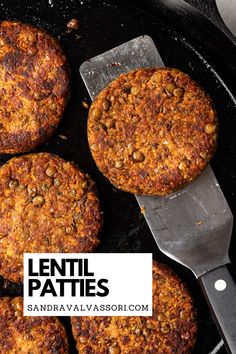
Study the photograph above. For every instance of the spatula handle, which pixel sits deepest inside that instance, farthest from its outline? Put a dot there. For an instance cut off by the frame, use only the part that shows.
(220, 291)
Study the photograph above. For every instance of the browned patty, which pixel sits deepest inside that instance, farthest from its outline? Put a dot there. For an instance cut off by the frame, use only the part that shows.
(152, 131)
(35, 335)
(34, 85)
(47, 205)
(171, 329)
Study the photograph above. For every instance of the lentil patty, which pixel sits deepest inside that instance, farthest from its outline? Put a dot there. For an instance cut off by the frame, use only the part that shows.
(34, 85)
(19, 334)
(152, 131)
(171, 329)
(47, 205)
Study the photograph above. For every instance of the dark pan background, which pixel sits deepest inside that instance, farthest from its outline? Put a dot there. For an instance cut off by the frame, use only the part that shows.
(185, 40)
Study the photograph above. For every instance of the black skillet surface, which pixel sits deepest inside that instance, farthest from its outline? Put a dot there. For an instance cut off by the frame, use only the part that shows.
(185, 40)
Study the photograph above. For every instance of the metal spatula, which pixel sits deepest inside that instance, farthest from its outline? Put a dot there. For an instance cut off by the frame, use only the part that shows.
(192, 226)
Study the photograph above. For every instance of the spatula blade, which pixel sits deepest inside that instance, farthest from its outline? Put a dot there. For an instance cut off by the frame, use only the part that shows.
(194, 225)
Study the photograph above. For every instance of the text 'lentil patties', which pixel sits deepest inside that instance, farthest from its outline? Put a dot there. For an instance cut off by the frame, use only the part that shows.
(152, 131)
(171, 329)
(47, 205)
(34, 84)
(20, 335)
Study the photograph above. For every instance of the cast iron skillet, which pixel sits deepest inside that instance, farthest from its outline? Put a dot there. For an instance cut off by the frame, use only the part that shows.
(185, 39)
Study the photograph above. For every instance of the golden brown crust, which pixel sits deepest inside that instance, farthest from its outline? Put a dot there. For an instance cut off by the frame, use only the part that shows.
(34, 84)
(171, 329)
(47, 205)
(38, 335)
(152, 131)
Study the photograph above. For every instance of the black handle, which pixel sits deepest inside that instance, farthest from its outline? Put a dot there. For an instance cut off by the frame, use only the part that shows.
(220, 291)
